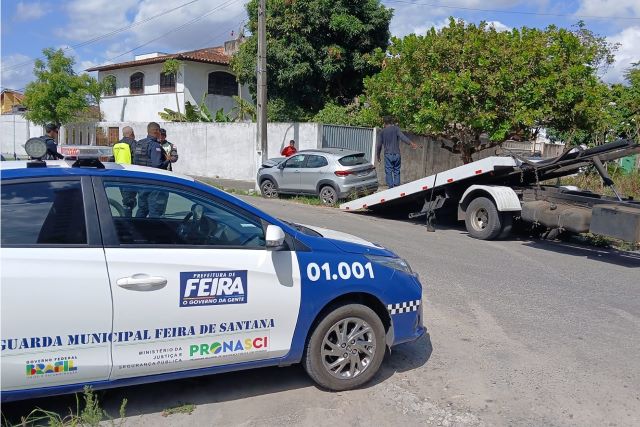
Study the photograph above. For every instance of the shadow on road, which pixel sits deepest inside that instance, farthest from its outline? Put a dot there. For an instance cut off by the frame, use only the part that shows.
(152, 398)
(611, 256)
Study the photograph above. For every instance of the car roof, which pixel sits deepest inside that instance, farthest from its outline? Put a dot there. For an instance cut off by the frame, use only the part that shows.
(338, 152)
(19, 169)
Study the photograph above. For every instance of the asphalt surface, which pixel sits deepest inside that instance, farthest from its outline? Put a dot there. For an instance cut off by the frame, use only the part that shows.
(521, 332)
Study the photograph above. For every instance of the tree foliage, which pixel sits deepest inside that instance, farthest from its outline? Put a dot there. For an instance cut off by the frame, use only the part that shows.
(58, 94)
(465, 81)
(318, 51)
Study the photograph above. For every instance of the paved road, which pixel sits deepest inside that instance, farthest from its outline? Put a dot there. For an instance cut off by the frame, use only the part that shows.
(520, 333)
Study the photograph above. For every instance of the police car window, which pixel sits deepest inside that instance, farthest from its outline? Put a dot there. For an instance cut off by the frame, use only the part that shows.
(43, 213)
(153, 215)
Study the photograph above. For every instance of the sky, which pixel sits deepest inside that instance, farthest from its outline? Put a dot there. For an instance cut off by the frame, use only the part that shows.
(98, 32)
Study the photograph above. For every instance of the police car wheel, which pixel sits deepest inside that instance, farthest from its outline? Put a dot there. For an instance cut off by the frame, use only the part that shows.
(346, 348)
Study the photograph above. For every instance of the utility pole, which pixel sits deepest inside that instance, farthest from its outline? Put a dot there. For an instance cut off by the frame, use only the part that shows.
(262, 82)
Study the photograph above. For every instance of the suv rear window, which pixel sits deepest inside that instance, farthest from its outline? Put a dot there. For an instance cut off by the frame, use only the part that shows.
(353, 160)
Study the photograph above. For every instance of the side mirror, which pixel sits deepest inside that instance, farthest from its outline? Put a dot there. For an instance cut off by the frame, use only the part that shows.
(281, 165)
(274, 238)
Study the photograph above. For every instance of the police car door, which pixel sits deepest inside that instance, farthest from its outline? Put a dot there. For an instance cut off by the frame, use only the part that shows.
(56, 301)
(193, 284)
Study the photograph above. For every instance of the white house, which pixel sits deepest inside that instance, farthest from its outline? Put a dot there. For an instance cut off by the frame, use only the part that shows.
(139, 89)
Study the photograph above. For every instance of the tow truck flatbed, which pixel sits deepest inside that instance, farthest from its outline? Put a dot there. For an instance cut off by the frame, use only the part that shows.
(421, 187)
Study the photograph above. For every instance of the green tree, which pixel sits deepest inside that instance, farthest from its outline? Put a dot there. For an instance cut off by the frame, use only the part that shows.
(625, 103)
(318, 51)
(465, 81)
(58, 94)
(172, 67)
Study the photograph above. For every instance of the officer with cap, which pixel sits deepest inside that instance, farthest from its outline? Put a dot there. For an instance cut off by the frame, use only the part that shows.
(51, 130)
(149, 152)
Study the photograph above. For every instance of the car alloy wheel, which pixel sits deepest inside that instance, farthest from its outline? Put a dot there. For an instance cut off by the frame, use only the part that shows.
(348, 348)
(268, 189)
(328, 195)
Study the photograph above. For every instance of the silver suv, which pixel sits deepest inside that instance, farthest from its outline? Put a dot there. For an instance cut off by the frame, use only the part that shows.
(330, 173)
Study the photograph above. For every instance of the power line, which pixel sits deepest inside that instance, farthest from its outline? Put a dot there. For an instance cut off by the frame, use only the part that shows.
(106, 35)
(186, 24)
(512, 12)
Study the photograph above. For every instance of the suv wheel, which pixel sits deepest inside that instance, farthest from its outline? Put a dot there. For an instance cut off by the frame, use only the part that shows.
(268, 189)
(328, 195)
(346, 348)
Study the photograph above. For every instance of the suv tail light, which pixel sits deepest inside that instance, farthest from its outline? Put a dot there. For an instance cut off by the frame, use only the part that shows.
(343, 173)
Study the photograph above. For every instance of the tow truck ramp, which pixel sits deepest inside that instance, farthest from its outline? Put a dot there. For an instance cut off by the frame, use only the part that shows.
(422, 186)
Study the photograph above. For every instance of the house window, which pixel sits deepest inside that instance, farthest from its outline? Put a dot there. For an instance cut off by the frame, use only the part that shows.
(221, 83)
(109, 86)
(167, 82)
(136, 83)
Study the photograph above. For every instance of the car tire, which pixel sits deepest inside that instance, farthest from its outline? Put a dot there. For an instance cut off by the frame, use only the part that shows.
(483, 221)
(268, 189)
(328, 195)
(361, 362)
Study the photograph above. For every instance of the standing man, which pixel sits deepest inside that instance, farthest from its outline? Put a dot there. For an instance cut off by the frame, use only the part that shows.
(122, 149)
(171, 152)
(389, 138)
(290, 150)
(51, 133)
(122, 154)
(149, 152)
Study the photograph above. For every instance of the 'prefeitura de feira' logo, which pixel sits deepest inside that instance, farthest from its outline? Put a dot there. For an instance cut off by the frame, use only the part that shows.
(213, 288)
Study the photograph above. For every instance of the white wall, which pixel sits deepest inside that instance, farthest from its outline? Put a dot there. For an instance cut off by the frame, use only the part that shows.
(196, 75)
(191, 85)
(15, 130)
(220, 150)
(143, 107)
(139, 107)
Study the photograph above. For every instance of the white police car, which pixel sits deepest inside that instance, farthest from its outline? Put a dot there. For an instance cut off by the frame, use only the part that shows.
(204, 283)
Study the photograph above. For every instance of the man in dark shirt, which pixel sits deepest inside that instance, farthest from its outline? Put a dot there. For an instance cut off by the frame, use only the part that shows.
(49, 138)
(149, 152)
(389, 138)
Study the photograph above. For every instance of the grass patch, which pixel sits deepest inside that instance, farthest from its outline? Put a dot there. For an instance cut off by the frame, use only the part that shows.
(87, 413)
(180, 408)
(628, 185)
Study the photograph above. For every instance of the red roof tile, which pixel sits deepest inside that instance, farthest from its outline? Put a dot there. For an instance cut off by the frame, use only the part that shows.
(210, 55)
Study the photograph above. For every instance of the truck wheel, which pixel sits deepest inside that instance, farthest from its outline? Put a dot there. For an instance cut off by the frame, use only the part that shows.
(346, 348)
(268, 189)
(482, 219)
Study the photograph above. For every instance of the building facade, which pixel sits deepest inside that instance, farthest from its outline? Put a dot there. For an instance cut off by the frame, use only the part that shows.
(138, 90)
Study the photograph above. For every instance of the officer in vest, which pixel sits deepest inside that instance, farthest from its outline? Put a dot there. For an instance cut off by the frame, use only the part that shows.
(171, 152)
(122, 154)
(49, 138)
(149, 152)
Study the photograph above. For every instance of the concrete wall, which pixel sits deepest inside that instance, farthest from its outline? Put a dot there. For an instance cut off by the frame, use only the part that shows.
(14, 132)
(216, 150)
(430, 158)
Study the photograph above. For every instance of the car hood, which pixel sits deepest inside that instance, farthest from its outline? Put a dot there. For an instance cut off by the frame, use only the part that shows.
(350, 243)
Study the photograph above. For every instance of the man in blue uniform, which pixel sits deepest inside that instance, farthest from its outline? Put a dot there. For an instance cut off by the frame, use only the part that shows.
(49, 138)
(149, 152)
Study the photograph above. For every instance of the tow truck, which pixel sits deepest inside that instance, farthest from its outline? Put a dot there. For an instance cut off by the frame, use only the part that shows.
(489, 194)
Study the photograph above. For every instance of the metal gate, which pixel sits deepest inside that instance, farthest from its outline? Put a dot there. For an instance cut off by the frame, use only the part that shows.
(352, 138)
